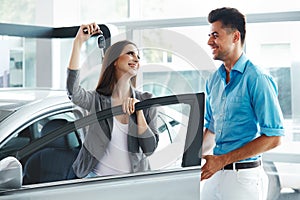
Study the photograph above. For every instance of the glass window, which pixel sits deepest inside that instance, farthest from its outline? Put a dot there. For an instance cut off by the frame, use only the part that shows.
(194, 8)
(20, 59)
(277, 53)
(103, 10)
(31, 11)
(171, 61)
(18, 12)
(172, 124)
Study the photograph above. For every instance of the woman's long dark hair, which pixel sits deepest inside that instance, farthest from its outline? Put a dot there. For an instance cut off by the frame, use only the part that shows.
(107, 79)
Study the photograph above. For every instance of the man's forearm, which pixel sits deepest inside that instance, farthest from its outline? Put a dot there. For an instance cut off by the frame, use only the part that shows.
(253, 148)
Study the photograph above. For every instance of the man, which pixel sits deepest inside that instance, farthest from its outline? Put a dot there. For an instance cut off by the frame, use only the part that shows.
(243, 115)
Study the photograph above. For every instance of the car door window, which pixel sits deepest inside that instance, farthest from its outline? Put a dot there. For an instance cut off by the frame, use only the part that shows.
(180, 127)
(30, 132)
(172, 128)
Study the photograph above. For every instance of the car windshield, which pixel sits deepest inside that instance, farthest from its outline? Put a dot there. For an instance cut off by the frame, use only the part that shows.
(14, 99)
(11, 105)
(4, 114)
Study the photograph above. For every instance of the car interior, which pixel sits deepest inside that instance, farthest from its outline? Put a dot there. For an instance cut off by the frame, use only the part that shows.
(54, 161)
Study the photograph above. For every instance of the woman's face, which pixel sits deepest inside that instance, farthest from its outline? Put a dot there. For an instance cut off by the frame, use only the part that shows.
(128, 61)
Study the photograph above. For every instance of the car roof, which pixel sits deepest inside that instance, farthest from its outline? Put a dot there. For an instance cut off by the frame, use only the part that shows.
(12, 99)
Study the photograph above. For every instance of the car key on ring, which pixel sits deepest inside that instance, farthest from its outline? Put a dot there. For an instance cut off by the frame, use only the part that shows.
(100, 41)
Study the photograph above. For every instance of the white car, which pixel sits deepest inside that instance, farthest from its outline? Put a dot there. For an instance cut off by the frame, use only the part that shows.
(42, 131)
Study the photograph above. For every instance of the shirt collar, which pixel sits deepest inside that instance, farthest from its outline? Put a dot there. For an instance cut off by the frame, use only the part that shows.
(238, 66)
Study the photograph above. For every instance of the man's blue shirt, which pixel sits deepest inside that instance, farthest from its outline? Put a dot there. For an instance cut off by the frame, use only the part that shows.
(243, 109)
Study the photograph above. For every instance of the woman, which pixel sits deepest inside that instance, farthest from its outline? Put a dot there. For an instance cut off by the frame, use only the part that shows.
(122, 144)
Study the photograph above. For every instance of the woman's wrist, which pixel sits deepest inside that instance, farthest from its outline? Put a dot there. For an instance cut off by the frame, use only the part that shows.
(77, 43)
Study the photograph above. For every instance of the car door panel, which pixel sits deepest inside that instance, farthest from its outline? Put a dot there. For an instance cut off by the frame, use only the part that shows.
(173, 185)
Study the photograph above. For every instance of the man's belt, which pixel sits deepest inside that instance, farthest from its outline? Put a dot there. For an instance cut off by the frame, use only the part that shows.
(244, 165)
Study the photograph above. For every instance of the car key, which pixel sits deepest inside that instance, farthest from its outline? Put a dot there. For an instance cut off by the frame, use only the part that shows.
(100, 41)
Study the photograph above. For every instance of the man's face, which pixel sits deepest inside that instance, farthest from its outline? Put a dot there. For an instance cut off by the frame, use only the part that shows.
(221, 41)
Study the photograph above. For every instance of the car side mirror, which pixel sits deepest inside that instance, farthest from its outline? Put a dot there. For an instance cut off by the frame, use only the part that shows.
(10, 173)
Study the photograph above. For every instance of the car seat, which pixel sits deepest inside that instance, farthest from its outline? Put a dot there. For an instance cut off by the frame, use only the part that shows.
(54, 161)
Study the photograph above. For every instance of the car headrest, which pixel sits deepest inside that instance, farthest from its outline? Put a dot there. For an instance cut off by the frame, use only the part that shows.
(52, 125)
(66, 142)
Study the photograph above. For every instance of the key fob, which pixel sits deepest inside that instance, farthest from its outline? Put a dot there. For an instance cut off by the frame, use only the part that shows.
(101, 42)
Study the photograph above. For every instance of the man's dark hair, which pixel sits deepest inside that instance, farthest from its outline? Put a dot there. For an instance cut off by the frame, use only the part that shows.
(230, 18)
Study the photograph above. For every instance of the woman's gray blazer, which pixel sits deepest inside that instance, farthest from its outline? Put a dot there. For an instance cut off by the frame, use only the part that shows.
(99, 134)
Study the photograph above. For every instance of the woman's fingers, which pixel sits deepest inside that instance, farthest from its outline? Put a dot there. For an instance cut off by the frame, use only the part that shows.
(92, 28)
(129, 105)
